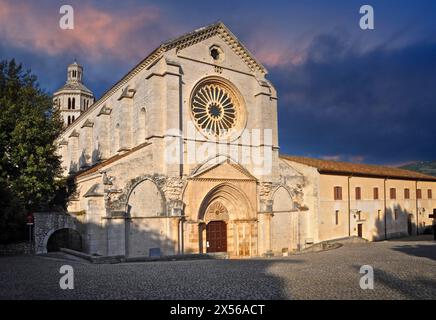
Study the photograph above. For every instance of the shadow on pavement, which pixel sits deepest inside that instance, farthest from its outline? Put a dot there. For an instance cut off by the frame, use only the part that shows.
(424, 251)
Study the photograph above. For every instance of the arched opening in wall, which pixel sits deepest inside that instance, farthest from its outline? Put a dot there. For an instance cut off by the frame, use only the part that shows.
(227, 222)
(146, 226)
(216, 217)
(73, 118)
(73, 104)
(64, 238)
(285, 228)
(142, 125)
(69, 103)
(69, 119)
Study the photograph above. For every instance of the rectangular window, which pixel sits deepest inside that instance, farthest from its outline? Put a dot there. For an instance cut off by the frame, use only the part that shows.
(337, 217)
(418, 194)
(358, 193)
(396, 214)
(375, 193)
(338, 193)
(429, 194)
(393, 193)
(406, 193)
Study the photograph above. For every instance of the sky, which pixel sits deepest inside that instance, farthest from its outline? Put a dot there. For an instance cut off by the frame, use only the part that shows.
(344, 93)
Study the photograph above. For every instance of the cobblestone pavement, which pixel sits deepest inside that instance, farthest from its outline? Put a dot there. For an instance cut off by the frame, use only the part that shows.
(402, 270)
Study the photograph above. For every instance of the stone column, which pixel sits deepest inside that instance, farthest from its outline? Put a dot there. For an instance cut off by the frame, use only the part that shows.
(125, 130)
(103, 125)
(73, 150)
(264, 226)
(63, 153)
(86, 144)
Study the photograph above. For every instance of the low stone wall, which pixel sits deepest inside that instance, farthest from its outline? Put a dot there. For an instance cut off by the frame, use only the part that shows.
(15, 249)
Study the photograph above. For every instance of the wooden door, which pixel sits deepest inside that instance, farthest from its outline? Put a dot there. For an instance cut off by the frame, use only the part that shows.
(409, 224)
(216, 236)
(360, 230)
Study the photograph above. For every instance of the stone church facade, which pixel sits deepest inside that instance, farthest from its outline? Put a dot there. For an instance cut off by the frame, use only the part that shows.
(182, 156)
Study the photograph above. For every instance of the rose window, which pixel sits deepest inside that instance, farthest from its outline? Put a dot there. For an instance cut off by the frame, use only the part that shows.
(215, 109)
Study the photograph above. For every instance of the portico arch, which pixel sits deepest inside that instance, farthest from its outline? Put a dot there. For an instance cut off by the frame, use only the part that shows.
(227, 213)
(235, 201)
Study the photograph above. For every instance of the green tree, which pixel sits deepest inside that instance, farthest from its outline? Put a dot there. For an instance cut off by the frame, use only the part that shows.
(30, 170)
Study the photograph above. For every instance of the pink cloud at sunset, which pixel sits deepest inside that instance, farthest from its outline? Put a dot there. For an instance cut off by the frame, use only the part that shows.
(96, 32)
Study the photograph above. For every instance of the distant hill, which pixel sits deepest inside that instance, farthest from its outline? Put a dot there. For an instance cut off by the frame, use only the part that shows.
(428, 167)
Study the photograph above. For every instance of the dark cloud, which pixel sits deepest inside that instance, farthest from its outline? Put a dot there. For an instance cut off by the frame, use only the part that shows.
(341, 102)
(379, 103)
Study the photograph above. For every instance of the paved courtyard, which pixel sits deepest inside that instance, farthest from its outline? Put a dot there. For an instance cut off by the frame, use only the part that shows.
(402, 270)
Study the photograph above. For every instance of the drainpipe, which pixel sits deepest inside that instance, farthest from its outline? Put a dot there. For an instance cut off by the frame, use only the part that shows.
(416, 206)
(385, 204)
(349, 208)
(181, 244)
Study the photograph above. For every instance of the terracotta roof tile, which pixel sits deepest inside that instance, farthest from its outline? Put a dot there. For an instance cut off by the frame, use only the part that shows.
(336, 167)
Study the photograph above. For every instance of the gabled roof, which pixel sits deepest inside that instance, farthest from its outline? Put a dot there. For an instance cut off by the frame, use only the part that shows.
(218, 28)
(183, 41)
(357, 169)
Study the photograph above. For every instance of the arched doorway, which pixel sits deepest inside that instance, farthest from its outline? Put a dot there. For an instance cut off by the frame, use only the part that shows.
(227, 222)
(216, 218)
(64, 238)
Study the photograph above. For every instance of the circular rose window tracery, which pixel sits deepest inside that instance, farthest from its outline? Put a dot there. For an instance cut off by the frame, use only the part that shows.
(216, 109)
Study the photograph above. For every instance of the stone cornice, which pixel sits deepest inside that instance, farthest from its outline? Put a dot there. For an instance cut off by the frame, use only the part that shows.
(222, 179)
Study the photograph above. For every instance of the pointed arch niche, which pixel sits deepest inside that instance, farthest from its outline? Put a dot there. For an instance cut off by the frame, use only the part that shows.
(228, 204)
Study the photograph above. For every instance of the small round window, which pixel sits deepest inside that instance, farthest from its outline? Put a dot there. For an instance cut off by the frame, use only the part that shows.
(216, 53)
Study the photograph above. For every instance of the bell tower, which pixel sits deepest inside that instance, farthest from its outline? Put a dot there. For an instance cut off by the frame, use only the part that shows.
(74, 97)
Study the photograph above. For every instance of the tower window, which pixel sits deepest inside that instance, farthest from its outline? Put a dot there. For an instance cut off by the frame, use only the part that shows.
(73, 105)
(69, 103)
(69, 120)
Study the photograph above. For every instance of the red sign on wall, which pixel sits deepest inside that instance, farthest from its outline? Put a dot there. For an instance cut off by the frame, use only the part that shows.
(29, 219)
